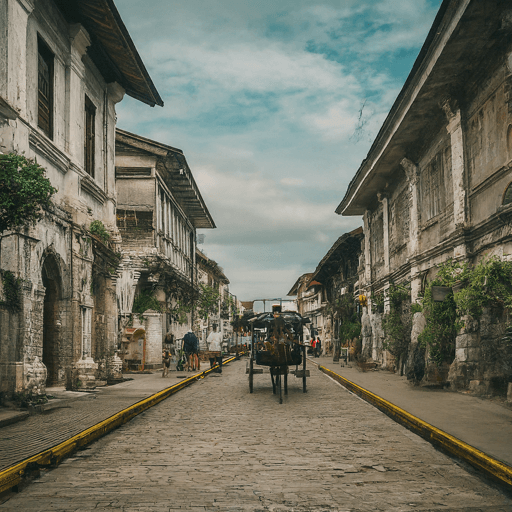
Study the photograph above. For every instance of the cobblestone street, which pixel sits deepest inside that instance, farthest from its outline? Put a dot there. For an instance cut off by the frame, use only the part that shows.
(215, 447)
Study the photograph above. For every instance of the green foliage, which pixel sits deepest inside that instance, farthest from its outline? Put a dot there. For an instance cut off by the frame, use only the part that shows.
(350, 328)
(97, 228)
(25, 399)
(24, 191)
(416, 308)
(442, 322)
(207, 302)
(12, 291)
(397, 329)
(397, 294)
(180, 311)
(144, 301)
(488, 284)
(228, 308)
(378, 301)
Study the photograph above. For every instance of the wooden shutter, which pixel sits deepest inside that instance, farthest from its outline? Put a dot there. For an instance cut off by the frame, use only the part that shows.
(45, 89)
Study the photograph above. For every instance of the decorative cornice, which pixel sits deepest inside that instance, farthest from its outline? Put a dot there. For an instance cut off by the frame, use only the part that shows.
(39, 143)
(411, 170)
(88, 185)
(382, 196)
(115, 91)
(79, 38)
(28, 5)
(491, 180)
(6, 110)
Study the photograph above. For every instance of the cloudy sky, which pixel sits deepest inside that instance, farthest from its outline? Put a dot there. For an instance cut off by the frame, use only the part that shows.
(275, 104)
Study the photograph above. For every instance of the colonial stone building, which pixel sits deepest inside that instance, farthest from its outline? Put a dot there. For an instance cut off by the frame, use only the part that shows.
(159, 208)
(309, 300)
(338, 274)
(435, 183)
(63, 67)
(211, 275)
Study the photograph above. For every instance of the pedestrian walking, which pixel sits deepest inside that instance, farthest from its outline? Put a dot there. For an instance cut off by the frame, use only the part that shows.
(318, 347)
(313, 346)
(191, 347)
(167, 364)
(214, 342)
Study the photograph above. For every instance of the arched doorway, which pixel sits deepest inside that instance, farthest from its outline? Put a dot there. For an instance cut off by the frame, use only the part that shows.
(51, 319)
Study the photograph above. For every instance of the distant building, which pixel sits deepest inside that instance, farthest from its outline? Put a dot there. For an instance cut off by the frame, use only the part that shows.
(159, 208)
(211, 275)
(338, 274)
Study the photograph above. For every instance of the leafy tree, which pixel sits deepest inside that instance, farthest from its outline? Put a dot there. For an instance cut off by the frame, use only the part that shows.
(24, 191)
(208, 302)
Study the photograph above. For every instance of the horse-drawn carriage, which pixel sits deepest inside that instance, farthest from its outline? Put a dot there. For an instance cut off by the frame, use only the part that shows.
(278, 343)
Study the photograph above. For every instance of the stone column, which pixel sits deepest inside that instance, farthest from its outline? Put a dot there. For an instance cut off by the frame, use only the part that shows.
(86, 366)
(367, 251)
(13, 87)
(385, 228)
(412, 174)
(454, 128)
(153, 328)
(80, 41)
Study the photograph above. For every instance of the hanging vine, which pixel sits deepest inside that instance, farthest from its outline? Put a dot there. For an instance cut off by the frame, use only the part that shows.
(442, 320)
(11, 291)
(397, 323)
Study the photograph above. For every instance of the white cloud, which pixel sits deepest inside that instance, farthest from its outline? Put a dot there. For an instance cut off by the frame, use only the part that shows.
(264, 99)
(291, 182)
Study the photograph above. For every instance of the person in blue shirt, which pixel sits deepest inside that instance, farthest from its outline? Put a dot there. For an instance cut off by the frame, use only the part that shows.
(191, 348)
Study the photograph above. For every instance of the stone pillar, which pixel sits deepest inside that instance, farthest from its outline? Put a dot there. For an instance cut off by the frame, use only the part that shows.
(80, 41)
(367, 252)
(86, 366)
(454, 128)
(35, 377)
(153, 328)
(412, 175)
(464, 368)
(14, 87)
(385, 229)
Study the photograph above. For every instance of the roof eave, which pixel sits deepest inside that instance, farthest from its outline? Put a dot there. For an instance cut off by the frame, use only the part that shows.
(112, 49)
(195, 206)
(348, 206)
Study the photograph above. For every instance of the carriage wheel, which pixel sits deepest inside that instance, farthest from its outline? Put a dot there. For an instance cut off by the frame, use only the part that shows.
(251, 376)
(304, 369)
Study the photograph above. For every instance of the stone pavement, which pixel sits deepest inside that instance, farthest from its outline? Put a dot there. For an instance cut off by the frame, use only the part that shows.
(482, 423)
(73, 412)
(215, 447)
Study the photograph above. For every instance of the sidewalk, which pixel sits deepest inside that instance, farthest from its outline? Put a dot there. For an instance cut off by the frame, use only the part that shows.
(70, 413)
(479, 422)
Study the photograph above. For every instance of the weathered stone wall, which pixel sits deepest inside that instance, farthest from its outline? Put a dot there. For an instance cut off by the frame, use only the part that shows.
(52, 258)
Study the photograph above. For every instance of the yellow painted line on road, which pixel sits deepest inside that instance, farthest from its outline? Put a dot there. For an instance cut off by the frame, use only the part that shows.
(13, 475)
(490, 466)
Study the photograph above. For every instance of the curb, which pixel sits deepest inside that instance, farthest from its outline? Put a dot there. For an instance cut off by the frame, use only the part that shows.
(13, 475)
(446, 442)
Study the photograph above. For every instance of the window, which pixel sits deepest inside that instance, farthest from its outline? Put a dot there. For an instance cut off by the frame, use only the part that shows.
(45, 88)
(436, 185)
(507, 196)
(90, 116)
